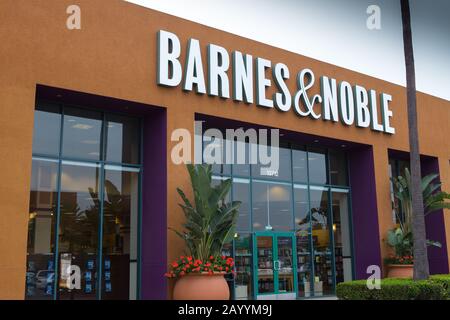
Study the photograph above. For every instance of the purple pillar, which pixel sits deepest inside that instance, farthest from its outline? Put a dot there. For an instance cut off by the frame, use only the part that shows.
(435, 226)
(366, 237)
(154, 210)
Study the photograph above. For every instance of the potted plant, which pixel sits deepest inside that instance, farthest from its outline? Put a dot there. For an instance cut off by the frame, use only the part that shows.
(210, 223)
(401, 265)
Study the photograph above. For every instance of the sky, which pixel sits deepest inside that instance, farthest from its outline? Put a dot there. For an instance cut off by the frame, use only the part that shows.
(335, 31)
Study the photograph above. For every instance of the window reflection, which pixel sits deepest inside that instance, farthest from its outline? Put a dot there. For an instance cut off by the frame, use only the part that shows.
(338, 169)
(41, 230)
(323, 275)
(122, 143)
(265, 171)
(214, 152)
(315, 217)
(341, 229)
(120, 214)
(303, 231)
(299, 165)
(242, 160)
(80, 206)
(272, 206)
(241, 192)
(47, 126)
(82, 133)
(317, 164)
(78, 230)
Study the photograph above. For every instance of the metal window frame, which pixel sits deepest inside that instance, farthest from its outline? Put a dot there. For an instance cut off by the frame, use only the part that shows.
(329, 186)
(102, 163)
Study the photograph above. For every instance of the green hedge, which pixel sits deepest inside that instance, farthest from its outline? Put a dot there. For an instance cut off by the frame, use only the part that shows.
(436, 288)
(444, 281)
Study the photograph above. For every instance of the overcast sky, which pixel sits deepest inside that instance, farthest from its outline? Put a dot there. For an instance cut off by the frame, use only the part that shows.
(335, 31)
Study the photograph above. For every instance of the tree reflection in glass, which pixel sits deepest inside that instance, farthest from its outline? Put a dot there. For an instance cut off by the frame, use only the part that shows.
(78, 230)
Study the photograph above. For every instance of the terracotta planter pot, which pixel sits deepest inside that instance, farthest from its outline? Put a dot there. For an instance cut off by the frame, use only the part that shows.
(201, 286)
(400, 271)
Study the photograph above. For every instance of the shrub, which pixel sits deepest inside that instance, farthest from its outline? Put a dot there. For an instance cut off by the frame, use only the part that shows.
(444, 281)
(393, 289)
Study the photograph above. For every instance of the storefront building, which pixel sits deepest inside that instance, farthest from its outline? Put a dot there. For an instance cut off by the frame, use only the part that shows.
(86, 124)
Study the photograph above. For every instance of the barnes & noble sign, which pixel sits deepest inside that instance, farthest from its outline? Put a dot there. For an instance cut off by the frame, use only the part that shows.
(338, 102)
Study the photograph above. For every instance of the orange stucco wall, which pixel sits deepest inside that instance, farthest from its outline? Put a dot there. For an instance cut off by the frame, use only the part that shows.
(114, 55)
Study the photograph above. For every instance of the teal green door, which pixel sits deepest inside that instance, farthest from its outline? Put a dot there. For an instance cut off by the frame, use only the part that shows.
(275, 268)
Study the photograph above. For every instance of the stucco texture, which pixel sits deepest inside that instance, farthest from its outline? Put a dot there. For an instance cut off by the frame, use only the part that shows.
(114, 55)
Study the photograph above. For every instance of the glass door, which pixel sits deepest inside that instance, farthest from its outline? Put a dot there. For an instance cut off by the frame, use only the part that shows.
(275, 272)
(285, 266)
(264, 267)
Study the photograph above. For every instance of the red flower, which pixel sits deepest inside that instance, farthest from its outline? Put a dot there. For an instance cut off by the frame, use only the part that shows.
(174, 265)
(211, 258)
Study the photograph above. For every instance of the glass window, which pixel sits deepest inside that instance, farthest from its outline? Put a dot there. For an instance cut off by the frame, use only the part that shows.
(317, 164)
(41, 230)
(122, 139)
(320, 225)
(82, 134)
(214, 152)
(341, 229)
(243, 264)
(301, 207)
(120, 218)
(81, 186)
(299, 165)
(47, 129)
(303, 230)
(338, 168)
(241, 192)
(275, 170)
(241, 163)
(272, 206)
(78, 230)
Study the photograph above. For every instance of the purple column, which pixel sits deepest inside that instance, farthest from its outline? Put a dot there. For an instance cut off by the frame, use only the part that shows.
(154, 210)
(366, 238)
(435, 226)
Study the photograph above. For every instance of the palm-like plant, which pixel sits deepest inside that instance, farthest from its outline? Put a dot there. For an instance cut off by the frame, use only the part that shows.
(433, 199)
(210, 220)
